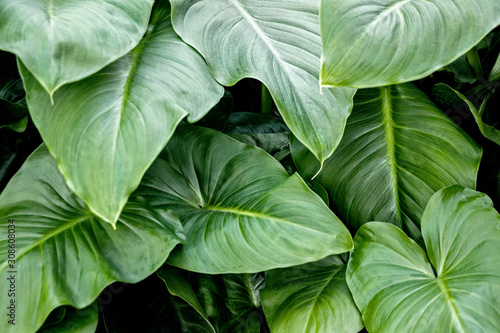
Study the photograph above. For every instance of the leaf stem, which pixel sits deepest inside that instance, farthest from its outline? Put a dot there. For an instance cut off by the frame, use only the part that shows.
(475, 62)
(266, 101)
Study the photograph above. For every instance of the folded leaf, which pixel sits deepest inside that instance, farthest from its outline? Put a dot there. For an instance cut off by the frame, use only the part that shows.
(313, 297)
(278, 43)
(241, 211)
(63, 41)
(63, 254)
(397, 151)
(398, 289)
(383, 42)
(76, 321)
(106, 130)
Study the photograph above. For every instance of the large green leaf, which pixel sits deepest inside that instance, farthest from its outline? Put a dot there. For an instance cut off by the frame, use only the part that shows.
(383, 42)
(65, 41)
(397, 151)
(241, 211)
(313, 297)
(278, 43)
(106, 130)
(397, 289)
(64, 254)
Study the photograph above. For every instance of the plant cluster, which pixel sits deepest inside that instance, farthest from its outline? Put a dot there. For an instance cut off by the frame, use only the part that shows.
(249, 166)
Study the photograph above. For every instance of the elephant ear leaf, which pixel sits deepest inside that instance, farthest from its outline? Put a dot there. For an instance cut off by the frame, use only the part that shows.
(64, 41)
(278, 43)
(456, 289)
(371, 44)
(64, 255)
(128, 110)
(241, 211)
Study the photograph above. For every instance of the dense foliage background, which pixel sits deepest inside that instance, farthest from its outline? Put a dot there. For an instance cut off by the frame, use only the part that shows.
(250, 166)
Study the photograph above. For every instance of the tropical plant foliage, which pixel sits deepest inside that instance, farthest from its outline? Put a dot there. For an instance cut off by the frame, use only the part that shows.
(249, 166)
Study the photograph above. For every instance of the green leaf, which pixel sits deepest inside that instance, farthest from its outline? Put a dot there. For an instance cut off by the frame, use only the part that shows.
(76, 321)
(13, 106)
(278, 43)
(106, 130)
(241, 211)
(63, 41)
(489, 132)
(397, 151)
(495, 72)
(461, 70)
(397, 289)
(63, 254)
(371, 44)
(178, 285)
(313, 297)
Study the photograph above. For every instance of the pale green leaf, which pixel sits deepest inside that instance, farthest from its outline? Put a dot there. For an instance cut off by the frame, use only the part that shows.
(106, 130)
(313, 297)
(278, 43)
(397, 289)
(397, 151)
(65, 41)
(241, 211)
(63, 254)
(383, 42)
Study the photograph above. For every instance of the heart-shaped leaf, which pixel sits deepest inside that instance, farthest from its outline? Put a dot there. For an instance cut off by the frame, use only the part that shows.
(397, 151)
(278, 43)
(63, 41)
(397, 289)
(241, 211)
(383, 42)
(58, 253)
(313, 297)
(106, 130)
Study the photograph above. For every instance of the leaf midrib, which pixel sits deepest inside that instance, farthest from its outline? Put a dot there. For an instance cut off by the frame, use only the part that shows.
(388, 125)
(46, 237)
(449, 301)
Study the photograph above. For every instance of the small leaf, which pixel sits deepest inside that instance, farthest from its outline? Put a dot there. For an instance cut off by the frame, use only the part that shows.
(398, 289)
(495, 72)
(241, 211)
(76, 321)
(63, 41)
(489, 132)
(313, 297)
(371, 44)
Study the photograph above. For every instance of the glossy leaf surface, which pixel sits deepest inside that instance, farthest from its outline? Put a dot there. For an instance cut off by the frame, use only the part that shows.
(63, 41)
(313, 297)
(63, 254)
(106, 130)
(456, 290)
(398, 150)
(383, 42)
(278, 43)
(241, 211)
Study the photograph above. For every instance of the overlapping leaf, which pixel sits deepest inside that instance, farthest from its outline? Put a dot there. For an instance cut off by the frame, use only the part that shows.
(75, 321)
(106, 130)
(241, 211)
(397, 289)
(64, 254)
(63, 41)
(278, 43)
(313, 297)
(383, 42)
(398, 150)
